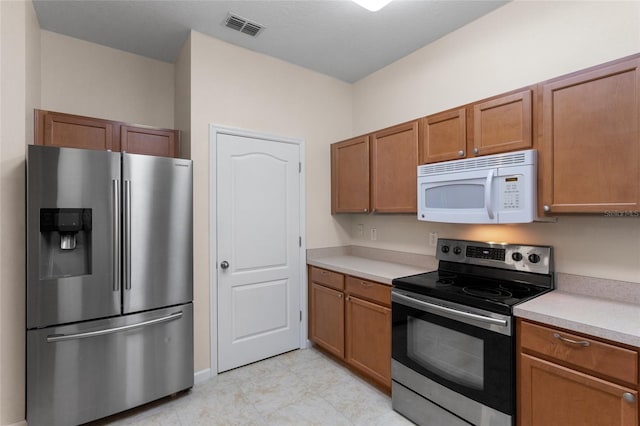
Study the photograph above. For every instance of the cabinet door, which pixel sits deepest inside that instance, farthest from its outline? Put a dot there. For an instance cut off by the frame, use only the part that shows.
(443, 136)
(553, 395)
(327, 318)
(73, 131)
(591, 144)
(350, 176)
(503, 124)
(394, 163)
(369, 339)
(142, 140)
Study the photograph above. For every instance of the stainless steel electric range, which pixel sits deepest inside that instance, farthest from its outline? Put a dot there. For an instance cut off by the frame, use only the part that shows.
(453, 334)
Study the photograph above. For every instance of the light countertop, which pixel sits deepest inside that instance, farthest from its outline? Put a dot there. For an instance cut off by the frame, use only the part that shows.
(370, 269)
(578, 305)
(372, 264)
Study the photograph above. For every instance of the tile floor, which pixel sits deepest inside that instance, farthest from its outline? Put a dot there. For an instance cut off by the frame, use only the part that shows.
(303, 387)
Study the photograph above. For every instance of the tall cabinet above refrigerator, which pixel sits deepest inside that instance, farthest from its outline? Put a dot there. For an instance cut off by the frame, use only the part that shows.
(109, 282)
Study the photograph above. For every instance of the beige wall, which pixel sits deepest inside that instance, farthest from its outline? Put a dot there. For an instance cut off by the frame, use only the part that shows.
(239, 88)
(182, 108)
(20, 92)
(79, 77)
(518, 44)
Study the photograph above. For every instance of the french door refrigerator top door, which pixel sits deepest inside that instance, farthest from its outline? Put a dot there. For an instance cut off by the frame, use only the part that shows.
(157, 232)
(110, 234)
(72, 246)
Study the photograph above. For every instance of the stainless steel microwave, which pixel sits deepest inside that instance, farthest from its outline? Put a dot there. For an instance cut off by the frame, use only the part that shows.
(499, 188)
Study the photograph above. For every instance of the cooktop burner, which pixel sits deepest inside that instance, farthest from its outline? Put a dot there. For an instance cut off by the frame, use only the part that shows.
(487, 293)
(472, 274)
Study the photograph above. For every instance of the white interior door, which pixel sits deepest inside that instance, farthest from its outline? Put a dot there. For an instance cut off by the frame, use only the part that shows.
(258, 232)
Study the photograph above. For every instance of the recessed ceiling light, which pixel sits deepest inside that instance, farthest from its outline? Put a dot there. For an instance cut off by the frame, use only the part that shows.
(373, 5)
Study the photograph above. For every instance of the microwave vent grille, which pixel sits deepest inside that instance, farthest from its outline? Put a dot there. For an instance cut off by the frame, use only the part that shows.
(479, 163)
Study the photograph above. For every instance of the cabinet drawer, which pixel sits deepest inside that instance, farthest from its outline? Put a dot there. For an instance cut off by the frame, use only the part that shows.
(600, 358)
(369, 290)
(328, 278)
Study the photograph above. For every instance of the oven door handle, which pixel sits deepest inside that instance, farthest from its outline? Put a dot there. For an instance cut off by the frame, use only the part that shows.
(420, 304)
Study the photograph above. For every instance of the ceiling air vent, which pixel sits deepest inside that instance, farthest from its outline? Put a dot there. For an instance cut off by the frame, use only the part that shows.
(243, 25)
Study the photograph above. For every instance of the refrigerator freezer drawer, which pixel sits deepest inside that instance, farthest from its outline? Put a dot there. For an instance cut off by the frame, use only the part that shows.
(81, 372)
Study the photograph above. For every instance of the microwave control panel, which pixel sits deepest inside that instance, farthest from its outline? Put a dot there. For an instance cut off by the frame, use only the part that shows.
(511, 192)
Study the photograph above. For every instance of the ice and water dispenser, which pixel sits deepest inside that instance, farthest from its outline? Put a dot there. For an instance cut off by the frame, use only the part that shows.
(65, 242)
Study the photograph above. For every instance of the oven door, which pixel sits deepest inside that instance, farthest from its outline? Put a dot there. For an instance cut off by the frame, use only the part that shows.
(466, 350)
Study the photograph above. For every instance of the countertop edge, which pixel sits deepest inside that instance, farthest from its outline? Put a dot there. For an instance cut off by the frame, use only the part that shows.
(606, 319)
(372, 264)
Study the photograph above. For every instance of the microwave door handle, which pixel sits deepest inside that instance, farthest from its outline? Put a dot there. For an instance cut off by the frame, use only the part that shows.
(488, 202)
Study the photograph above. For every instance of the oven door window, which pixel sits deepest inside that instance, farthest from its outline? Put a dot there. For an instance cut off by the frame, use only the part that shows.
(469, 360)
(455, 356)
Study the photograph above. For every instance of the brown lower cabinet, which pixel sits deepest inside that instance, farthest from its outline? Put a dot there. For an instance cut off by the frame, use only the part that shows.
(350, 318)
(567, 378)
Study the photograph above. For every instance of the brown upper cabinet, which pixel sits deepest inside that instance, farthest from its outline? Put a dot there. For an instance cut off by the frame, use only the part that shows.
(145, 140)
(443, 136)
(75, 131)
(376, 172)
(590, 140)
(350, 176)
(394, 166)
(499, 124)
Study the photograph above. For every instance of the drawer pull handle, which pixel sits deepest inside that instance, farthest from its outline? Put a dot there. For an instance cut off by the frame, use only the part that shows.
(573, 342)
(366, 284)
(629, 397)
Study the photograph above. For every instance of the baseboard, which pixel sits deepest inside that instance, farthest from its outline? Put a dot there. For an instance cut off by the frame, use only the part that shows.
(20, 423)
(201, 376)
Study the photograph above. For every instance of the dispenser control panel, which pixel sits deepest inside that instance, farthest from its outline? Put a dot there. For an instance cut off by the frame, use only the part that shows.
(65, 220)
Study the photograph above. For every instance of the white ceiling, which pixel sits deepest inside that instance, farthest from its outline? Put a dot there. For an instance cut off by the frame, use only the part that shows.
(333, 37)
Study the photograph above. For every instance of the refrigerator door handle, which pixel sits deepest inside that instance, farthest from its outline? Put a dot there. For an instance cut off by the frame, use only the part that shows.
(62, 337)
(126, 247)
(115, 186)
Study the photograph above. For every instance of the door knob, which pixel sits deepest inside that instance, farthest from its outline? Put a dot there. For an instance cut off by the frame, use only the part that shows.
(224, 264)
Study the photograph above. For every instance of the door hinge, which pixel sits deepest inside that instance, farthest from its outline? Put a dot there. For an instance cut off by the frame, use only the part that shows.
(299, 167)
(299, 241)
(300, 316)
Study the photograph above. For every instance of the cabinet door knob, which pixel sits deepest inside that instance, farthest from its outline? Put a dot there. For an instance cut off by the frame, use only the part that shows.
(365, 210)
(546, 208)
(475, 150)
(460, 153)
(339, 295)
(629, 397)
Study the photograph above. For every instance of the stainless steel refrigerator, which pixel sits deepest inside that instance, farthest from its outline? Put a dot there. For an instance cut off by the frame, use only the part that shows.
(109, 282)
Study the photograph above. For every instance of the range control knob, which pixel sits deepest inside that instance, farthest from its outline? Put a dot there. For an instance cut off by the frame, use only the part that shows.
(445, 249)
(534, 258)
(457, 250)
(517, 256)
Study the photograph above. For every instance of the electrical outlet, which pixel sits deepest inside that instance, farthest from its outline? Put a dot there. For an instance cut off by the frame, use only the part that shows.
(433, 239)
(374, 234)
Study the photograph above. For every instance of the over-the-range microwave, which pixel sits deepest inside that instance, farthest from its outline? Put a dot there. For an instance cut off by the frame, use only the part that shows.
(497, 188)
